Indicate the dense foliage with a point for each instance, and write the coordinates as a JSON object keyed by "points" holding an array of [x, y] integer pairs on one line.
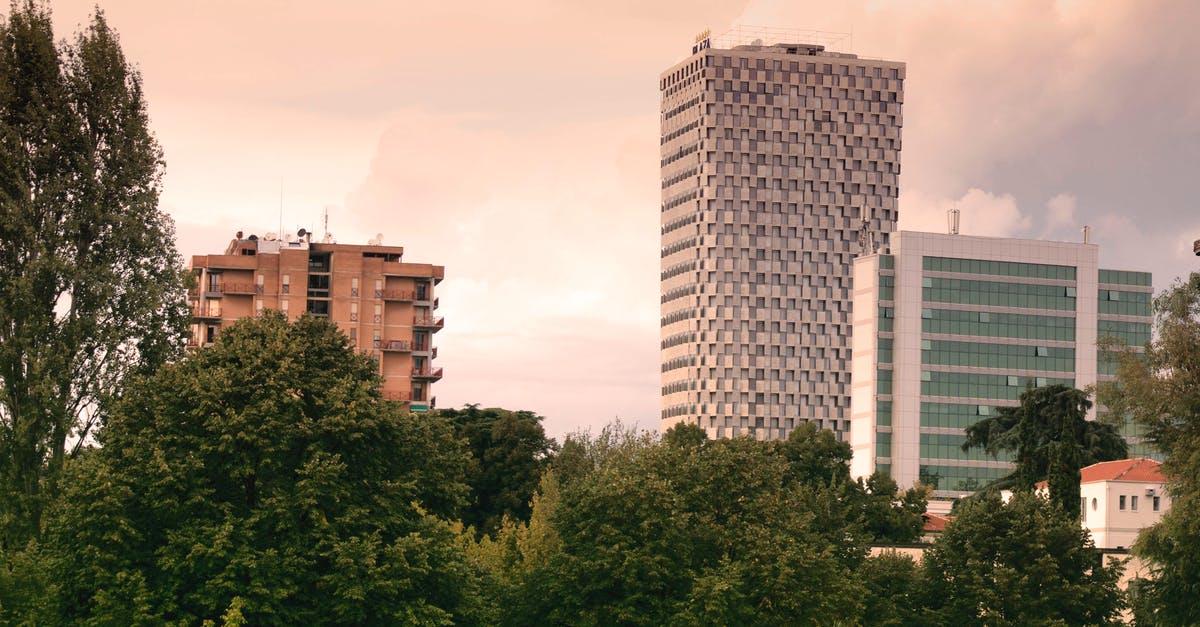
{"points": [[91, 288], [509, 453], [1052, 439], [265, 477], [1024, 563], [1160, 389]]}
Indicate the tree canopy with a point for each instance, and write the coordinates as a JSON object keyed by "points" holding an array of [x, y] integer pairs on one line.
{"points": [[1160, 390], [1051, 438], [91, 288], [263, 476], [509, 452], [1024, 563]]}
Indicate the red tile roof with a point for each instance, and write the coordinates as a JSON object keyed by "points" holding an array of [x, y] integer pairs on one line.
{"points": [[935, 523], [1140, 469]]}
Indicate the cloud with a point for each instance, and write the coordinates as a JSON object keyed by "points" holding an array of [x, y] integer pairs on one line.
{"points": [[1060, 211]]}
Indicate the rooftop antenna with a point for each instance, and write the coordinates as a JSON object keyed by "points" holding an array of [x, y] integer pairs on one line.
{"points": [[1087, 234], [952, 220], [280, 207], [326, 238]]}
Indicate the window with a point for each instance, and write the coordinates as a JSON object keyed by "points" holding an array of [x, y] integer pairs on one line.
{"points": [[378, 313], [1043, 351], [287, 285], [283, 305], [375, 340], [1154, 503], [1070, 292], [258, 307], [1095, 505], [354, 286], [1133, 503], [1083, 507], [1121, 503], [353, 312]]}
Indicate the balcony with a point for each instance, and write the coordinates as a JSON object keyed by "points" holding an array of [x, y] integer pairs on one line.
{"points": [[240, 288], [396, 295], [431, 374], [206, 313], [400, 397], [429, 323], [397, 346]]}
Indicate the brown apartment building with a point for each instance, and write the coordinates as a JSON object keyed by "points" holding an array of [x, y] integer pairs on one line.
{"points": [[386, 306]]}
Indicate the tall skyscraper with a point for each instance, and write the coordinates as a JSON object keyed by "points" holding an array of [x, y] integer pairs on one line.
{"points": [[777, 159], [385, 305], [948, 328]]}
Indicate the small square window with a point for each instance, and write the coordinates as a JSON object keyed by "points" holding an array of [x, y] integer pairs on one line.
{"points": [[1013, 381], [985, 410], [926, 375], [927, 314], [1042, 351], [1070, 292], [926, 345], [985, 316], [1041, 382], [926, 282], [1114, 295]]}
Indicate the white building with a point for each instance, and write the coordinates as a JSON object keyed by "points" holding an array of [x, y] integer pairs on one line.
{"points": [[773, 157], [947, 328], [1120, 498]]}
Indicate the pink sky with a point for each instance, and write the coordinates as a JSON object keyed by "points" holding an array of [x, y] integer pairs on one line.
{"points": [[517, 144]]}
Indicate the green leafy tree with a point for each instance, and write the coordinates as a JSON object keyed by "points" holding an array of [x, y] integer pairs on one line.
{"points": [[510, 451], [263, 480], [891, 581], [686, 531], [91, 288], [1051, 438], [1024, 563], [1160, 390]]}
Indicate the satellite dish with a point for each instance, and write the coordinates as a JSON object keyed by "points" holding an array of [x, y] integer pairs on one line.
{"points": [[301, 233]]}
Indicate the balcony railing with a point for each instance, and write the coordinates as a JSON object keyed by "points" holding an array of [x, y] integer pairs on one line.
{"points": [[402, 397], [240, 288], [206, 312], [427, 373], [432, 323], [398, 346], [402, 295]]}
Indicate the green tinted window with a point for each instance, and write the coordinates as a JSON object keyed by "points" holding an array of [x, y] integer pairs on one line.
{"points": [[1000, 268], [1007, 356], [886, 318], [944, 446], [965, 478], [953, 415], [884, 384], [883, 413], [1132, 333], [997, 294], [991, 386], [883, 444], [885, 350], [1124, 303], [1125, 277], [994, 324], [887, 262]]}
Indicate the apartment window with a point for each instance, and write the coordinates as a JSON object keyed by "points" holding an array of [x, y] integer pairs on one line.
{"points": [[214, 282], [378, 288], [286, 286], [376, 338], [258, 307], [353, 312], [353, 336], [1154, 503], [378, 313], [354, 286], [1133, 503], [258, 283], [1121, 503], [283, 305]]}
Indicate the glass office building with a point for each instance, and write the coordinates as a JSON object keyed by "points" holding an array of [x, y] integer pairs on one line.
{"points": [[948, 328]]}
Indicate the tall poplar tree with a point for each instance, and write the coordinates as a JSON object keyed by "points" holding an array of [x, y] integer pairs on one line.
{"points": [[91, 287]]}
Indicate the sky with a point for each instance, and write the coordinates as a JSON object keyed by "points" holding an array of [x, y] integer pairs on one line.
{"points": [[516, 143]]}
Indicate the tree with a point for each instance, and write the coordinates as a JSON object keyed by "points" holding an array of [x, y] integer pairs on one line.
{"points": [[263, 478], [91, 288], [1051, 438], [1024, 563], [509, 452], [1160, 390]]}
